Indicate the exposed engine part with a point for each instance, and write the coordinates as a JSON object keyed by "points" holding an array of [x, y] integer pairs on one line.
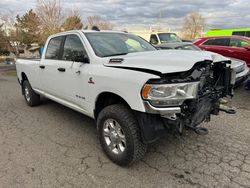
{"points": [[227, 109], [226, 106], [180, 127], [170, 116], [223, 101], [215, 84], [200, 130]]}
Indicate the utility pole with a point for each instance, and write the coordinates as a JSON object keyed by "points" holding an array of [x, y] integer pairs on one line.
{"points": [[59, 4], [158, 24]]}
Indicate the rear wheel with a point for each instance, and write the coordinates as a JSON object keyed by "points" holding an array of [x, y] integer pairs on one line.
{"points": [[31, 98], [119, 135]]}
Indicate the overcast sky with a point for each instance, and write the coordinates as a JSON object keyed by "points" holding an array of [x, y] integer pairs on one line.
{"points": [[145, 13]]}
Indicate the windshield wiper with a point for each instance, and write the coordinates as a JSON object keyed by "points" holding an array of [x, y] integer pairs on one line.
{"points": [[115, 54]]}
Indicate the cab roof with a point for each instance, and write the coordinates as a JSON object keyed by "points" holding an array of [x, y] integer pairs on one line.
{"points": [[85, 31]]}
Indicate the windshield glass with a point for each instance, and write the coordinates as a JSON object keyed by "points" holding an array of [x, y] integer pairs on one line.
{"points": [[112, 44], [169, 37]]}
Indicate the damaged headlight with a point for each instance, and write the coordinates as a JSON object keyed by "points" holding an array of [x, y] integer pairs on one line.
{"points": [[169, 94]]}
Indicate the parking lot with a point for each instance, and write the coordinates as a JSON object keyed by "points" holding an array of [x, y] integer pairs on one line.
{"points": [[54, 146]]}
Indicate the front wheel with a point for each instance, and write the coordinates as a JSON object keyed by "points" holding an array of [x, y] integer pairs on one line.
{"points": [[31, 98], [119, 135]]}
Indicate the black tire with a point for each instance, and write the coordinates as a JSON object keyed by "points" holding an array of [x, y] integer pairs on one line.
{"points": [[32, 99], [135, 149]]}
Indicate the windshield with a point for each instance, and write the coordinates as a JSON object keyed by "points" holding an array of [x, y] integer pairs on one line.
{"points": [[169, 37], [112, 44]]}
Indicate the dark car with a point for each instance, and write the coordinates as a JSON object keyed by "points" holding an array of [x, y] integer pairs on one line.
{"points": [[230, 46], [178, 46]]}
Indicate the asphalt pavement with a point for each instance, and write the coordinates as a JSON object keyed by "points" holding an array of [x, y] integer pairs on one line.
{"points": [[53, 146]]}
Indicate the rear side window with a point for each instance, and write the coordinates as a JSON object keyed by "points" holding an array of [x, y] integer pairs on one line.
{"points": [[53, 48], [73, 48], [235, 42], [218, 42]]}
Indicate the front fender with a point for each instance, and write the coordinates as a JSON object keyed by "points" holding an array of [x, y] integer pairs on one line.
{"points": [[125, 83]]}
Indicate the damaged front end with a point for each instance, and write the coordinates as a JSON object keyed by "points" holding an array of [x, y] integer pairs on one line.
{"points": [[185, 100]]}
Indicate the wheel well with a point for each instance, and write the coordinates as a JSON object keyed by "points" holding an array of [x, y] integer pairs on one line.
{"points": [[24, 77], [106, 99]]}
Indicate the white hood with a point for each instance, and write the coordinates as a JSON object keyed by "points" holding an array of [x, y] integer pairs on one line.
{"points": [[163, 61]]}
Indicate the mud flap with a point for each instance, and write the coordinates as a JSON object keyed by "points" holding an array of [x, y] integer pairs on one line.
{"points": [[151, 126]]}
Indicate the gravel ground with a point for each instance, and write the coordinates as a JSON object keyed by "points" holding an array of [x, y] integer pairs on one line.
{"points": [[53, 146]]}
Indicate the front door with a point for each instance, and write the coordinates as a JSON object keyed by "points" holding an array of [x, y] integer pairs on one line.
{"points": [[73, 74], [238, 51]]}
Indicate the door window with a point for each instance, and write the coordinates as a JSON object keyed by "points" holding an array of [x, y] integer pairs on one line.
{"points": [[218, 42], [234, 42], [73, 49], [53, 48], [154, 39]]}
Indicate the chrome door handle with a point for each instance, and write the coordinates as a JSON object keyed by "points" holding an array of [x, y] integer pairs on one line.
{"points": [[42, 67]]}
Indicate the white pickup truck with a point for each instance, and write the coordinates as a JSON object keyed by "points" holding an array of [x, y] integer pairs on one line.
{"points": [[133, 91]]}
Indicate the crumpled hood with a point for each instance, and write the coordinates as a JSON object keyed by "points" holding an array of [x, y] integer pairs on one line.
{"points": [[162, 61]]}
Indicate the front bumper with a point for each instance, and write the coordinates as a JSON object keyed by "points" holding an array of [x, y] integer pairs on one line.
{"points": [[155, 120], [242, 76]]}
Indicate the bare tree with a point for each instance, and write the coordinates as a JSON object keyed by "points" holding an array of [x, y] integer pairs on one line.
{"points": [[8, 20], [2, 40], [193, 26], [99, 22], [7, 28], [50, 16]]}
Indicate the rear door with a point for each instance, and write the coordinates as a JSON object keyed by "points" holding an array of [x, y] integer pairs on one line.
{"points": [[48, 72]]}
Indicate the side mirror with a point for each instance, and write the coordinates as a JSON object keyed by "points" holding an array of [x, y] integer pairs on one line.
{"points": [[247, 47], [85, 60]]}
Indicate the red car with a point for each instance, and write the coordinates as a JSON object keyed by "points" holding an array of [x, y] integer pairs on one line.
{"points": [[230, 46]]}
